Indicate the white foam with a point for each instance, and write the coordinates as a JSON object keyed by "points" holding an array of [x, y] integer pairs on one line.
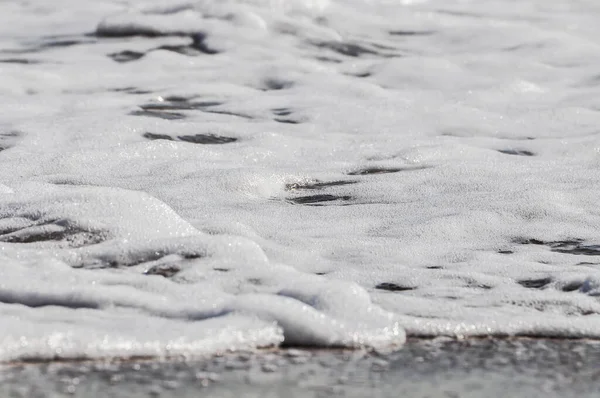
{"points": [[376, 167]]}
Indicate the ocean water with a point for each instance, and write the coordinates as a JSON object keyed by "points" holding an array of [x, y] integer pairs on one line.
{"points": [[189, 177]]}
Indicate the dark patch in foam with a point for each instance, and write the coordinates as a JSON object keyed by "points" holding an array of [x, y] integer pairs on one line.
{"points": [[535, 283], [393, 287], [362, 74], [382, 170], [477, 133], [54, 42], [230, 113], [152, 136], [61, 230], [126, 56], [354, 49], [435, 267], [479, 286], [273, 84], [37, 300], [528, 46], [411, 32], [328, 59], [287, 121], [317, 185], [572, 286], [382, 46], [68, 181], [518, 152], [126, 31], [166, 270], [179, 103], [199, 43], [146, 257], [182, 49], [524, 241], [348, 49], [50, 42], [197, 47], [175, 102], [221, 269], [129, 55], [191, 255], [159, 114], [131, 90], [20, 61], [8, 139], [282, 111], [318, 200], [206, 139], [576, 248], [178, 98], [571, 246]]}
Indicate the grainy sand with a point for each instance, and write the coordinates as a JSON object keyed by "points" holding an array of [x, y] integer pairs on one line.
{"points": [[422, 368]]}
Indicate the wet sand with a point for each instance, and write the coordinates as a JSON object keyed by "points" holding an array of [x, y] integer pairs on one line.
{"points": [[422, 368]]}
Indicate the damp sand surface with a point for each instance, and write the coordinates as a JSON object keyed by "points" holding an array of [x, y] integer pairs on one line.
{"points": [[422, 368]]}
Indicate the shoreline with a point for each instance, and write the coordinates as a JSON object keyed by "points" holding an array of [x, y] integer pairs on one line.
{"points": [[439, 367], [282, 349]]}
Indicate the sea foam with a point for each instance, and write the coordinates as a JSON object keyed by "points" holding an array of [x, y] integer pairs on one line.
{"points": [[185, 178]]}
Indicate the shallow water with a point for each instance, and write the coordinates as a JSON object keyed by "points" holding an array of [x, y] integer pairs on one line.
{"points": [[184, 178]]}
